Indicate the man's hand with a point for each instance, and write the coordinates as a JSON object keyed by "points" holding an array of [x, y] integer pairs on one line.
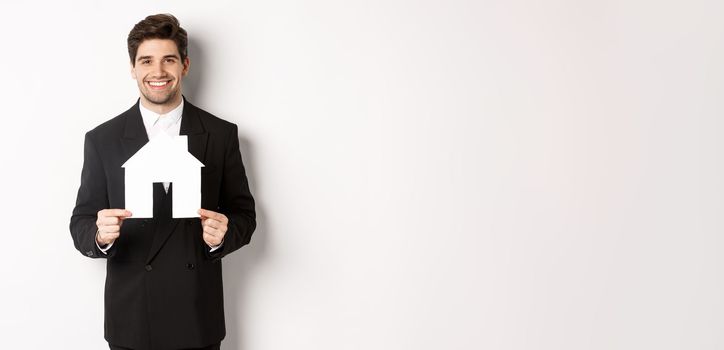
{"points": [[214, 225], [109, 225]]}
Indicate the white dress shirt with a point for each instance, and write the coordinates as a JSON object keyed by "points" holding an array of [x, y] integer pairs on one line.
{"points": [[155, 123]]}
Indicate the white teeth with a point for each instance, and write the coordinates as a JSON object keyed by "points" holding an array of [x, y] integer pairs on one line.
{"points": [[157, 83]]}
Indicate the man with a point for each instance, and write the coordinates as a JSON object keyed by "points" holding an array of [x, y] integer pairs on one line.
{"points": [[163, 276]]}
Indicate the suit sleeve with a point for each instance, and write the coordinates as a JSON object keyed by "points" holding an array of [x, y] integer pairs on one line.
{"points": [[236, 201], [92, 197]]}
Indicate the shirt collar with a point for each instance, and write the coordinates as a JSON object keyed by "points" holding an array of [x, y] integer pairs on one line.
{"points": [[150, 117]]}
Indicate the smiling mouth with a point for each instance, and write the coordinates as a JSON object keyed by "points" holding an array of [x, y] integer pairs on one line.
{"points": [[157, 85]]}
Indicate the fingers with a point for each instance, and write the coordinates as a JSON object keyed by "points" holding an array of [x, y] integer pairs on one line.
{"points": [[109, 224], [108, 234], [213, 229], [213, 215], [212, 240], [121, 213], [107, 238], [214, 224], [108, 220], [109, 229]]}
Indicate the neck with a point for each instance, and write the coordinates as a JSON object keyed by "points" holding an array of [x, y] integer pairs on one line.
{"points": [[161, 108]]}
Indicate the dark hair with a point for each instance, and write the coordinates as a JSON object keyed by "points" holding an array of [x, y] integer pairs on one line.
{"points": [[161, 26]]}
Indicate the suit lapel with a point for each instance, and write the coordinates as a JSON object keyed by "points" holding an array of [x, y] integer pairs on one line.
{"points": [[192, 127], [164, 229], [197, 137], [134, 133]]}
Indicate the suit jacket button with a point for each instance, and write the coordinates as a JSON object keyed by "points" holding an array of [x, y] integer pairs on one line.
{"points": [[190, 266], [89, 253], [149, 268]]}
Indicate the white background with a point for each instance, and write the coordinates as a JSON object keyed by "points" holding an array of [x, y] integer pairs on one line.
{"points": [[429, 174]]}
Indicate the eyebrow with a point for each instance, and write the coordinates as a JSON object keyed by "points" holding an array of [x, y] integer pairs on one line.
{"points": [[150, 57]]}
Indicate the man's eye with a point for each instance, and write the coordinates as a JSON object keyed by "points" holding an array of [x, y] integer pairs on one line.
{"points": [[146, 61], [170, 60]]}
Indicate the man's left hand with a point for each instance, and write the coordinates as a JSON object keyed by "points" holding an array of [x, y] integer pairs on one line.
{"points": [[214, 225]]}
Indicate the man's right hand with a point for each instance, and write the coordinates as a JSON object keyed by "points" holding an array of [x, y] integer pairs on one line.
{"points": [[109, 225]]}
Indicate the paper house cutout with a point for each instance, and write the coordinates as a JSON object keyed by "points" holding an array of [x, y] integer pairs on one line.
{"points": [[163, 159]]}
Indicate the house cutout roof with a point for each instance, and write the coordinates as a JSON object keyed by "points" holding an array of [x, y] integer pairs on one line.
{"points": [[163, 151]]}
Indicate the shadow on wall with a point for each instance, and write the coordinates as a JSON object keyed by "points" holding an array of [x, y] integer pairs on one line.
{"points": [[193, 83], [237, 266]]}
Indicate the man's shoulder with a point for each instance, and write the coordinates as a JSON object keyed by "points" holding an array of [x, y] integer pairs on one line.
{"points": [[211, 122], [112, 127]]}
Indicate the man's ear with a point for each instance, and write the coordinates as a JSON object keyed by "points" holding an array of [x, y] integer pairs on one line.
{"points": [[133, 71], [187, 64]]}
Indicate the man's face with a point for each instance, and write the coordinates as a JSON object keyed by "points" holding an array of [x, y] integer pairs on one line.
{"points": [[158, 71]]}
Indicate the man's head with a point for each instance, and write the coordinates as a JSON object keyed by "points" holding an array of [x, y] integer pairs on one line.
{"points": [[158, 48]]}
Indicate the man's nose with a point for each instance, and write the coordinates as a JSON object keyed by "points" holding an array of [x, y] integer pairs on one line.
{"points": [[157, 70]]}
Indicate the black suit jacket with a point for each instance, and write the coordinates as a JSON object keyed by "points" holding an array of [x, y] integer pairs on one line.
{"points": [[163, 287]]}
